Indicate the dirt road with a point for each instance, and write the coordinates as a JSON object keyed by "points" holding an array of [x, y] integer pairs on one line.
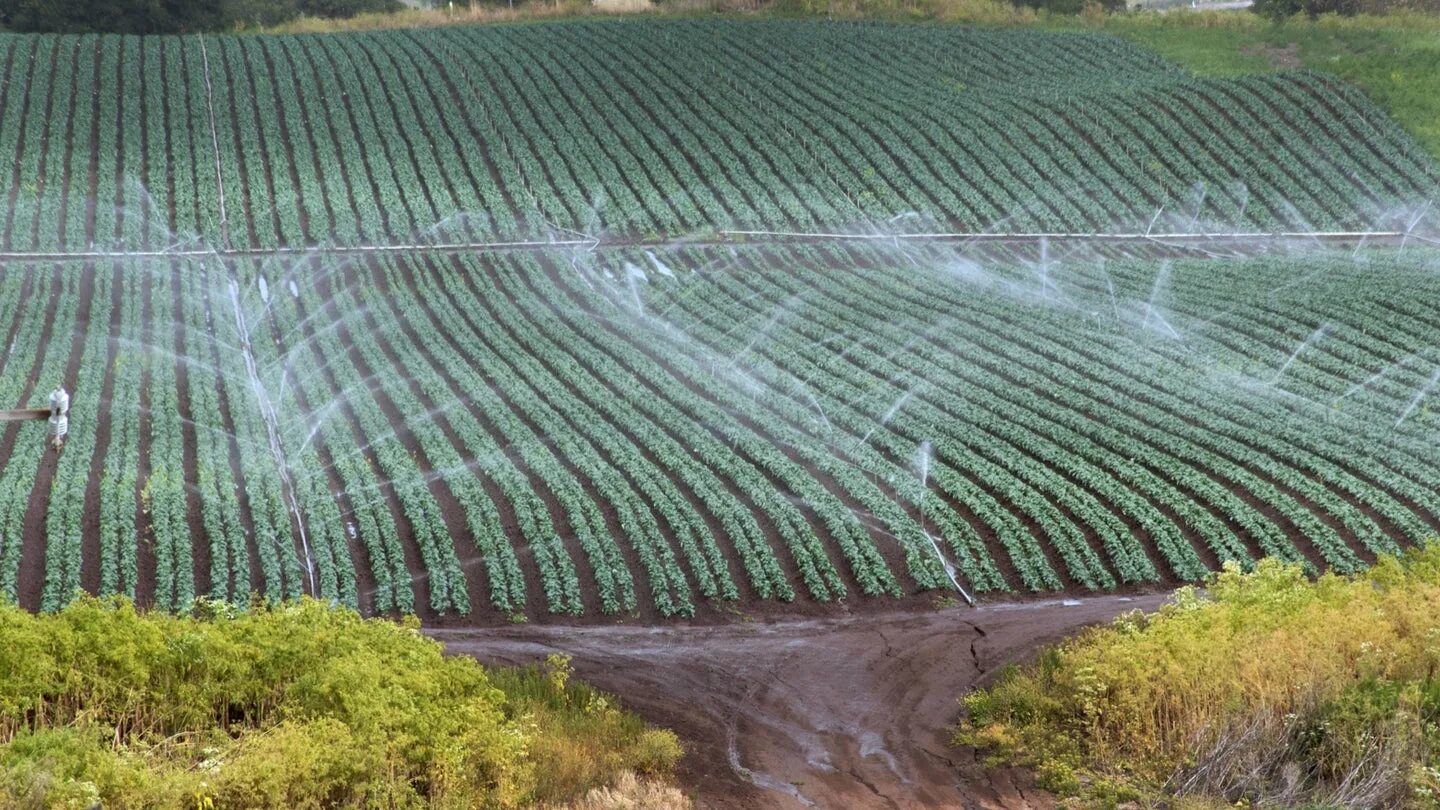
{"points": [[844, 712]]}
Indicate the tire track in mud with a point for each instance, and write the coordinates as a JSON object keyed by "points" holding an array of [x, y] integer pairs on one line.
{"points": [[854, 711]]}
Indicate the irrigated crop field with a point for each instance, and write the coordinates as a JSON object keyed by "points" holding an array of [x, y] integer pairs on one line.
{"points": [[618, 431], [257, 264], [663, 128]]}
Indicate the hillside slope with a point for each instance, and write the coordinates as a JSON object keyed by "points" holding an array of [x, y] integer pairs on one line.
{"points": [[655, 433], [664, 128]]}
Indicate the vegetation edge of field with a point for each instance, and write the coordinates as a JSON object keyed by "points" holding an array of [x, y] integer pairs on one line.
{"points": [[300, 705], [1264, 688]]}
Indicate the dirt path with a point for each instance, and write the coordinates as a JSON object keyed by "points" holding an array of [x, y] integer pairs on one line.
{"points": [[834, 713]]}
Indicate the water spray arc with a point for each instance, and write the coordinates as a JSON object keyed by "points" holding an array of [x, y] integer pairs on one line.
{"points": [[923, 458], [272, 430]]}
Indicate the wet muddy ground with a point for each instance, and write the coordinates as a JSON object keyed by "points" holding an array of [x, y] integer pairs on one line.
{"points": [[841, 712]]}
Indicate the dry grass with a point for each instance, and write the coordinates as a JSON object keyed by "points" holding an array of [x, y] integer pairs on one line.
{"points": [[1270, 689], [633, 793], [982, 12], [464, 14], [581, 737], [1138, 25]]}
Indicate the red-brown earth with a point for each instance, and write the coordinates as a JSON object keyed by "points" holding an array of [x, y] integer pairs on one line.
{"points": [[844, 711]]}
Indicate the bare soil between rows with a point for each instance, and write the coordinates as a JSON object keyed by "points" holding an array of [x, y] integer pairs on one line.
{"points": [[835, 712]]}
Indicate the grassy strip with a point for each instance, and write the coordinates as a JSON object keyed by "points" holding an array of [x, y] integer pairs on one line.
{"points": [[1395, 60], [294, 706], [1265, 688]]}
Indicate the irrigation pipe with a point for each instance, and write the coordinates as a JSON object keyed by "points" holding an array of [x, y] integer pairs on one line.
{"points": [[1071, 236], [215, 142], [242, 253], [721, 238], [268, 415]]}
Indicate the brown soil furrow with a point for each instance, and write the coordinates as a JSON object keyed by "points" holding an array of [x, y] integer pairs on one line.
{"points": [[283, 148], [170, 128], [90, 518], [123, 95], [644, 605], [832, 712], [559, 518], [451, 510], [67, 170], [145, 584], [20, 144], [419, 578], [33, 545], [92, 181], [361, 156]]}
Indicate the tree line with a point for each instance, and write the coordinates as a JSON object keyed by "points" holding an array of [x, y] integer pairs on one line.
{"points": [[171, 16]]}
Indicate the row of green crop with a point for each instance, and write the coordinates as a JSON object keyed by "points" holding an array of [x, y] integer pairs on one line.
{"points": [[65, 506], [49, 352], [610, 373], [663, 128], [756, 465], [120, 472], [642, 430], [704, 414], [25, 326], [617, 137], [1329, 481], [1301, 453], [162, 495], [1332, 370], [327, 456], [588, 445]]}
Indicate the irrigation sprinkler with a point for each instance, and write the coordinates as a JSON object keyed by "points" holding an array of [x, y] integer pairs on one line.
{"points": [[57, 414]]}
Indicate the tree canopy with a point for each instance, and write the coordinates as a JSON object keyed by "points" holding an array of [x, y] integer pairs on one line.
{"points": [[170, 16]]}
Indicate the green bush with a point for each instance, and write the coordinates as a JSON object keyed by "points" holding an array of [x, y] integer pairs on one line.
{"points": [[293, 706], [1265, 687], [1071, 6], [341, 9], [118, 16], [1282, 10]]}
